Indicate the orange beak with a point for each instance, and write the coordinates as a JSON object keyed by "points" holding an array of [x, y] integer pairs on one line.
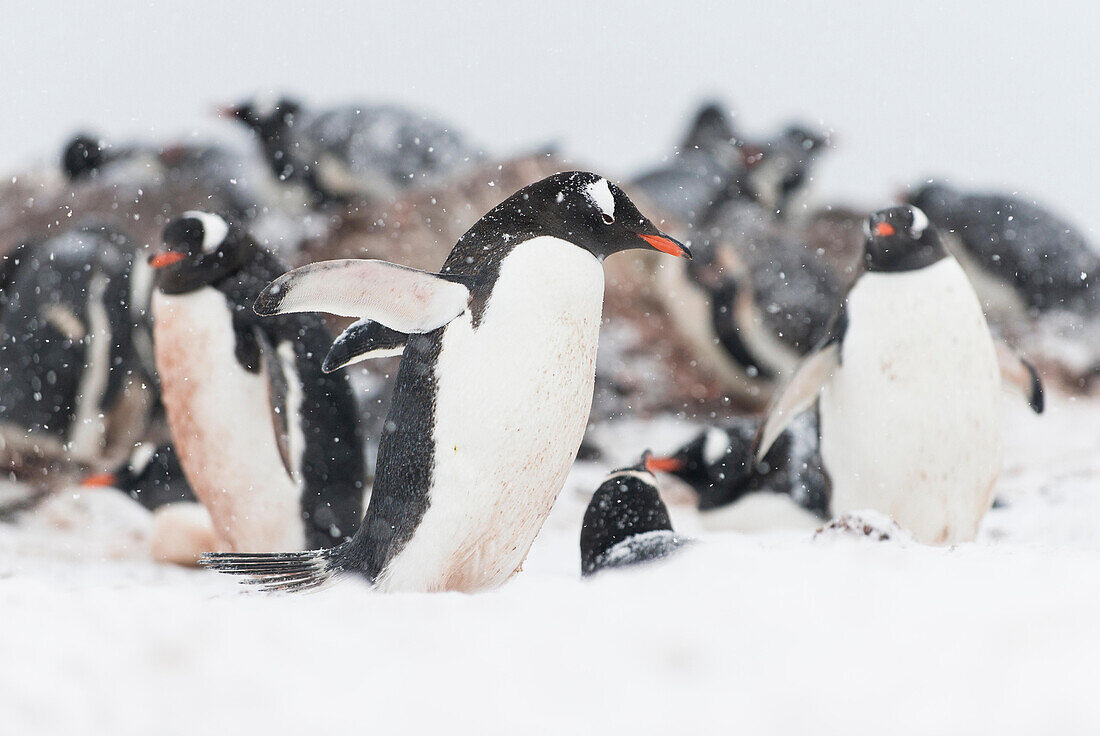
{"points": [[666, 244], [663, 464], [167, 258], [99, 480], [884, 229]]}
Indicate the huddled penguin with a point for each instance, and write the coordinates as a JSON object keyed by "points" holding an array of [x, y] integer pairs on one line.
{"points": [[268, 442], [1019, 255], [353, 152], [705, 165], [626, 522], [493, 392], [72, 384], [789, 488], [907, 386], [152, 476]]}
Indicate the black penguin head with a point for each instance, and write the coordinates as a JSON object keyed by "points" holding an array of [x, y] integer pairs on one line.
{"points": [[712, 131], [625, 505], [200, 249], [152, 476], [778, 168], [592, 213], [265, 117], [715, 463], [131, 474], [901, 239], [83, 157]]}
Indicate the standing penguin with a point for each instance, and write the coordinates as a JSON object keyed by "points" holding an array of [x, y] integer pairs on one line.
{"points": [[269, 443], [626, 522], [493, 392], [70, 375], [907, 384]]}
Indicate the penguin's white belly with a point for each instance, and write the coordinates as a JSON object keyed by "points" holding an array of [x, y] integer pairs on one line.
{"points": [[910, 421], [220, 415], [512, 404]]}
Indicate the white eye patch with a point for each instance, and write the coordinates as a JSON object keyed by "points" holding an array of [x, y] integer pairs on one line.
{"points": [[214, 229], [599, 192], [920, 222]]}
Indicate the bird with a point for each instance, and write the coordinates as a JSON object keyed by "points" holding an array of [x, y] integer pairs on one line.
{"points": [[907, 387], [72, 383], [354, 151], [493, 391], [779, 169], [789, 487], [703, 168], [152, 476], [626, 522], [269, 443], [1021, 255], [754, 300]]}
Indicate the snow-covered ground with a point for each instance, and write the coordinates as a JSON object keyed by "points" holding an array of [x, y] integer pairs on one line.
{"points": [[775, 633]]}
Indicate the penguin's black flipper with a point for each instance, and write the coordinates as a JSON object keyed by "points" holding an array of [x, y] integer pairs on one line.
{"points": [[401, 298], [1021, 375], [363, 340], [280, 371]]}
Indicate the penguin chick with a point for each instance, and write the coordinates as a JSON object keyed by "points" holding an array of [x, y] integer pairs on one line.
{"points": [[626, 522]]}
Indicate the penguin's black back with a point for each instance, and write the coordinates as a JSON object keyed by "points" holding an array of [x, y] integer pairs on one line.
{"points": [[624, 508], [332, 460], [1046, 258]]}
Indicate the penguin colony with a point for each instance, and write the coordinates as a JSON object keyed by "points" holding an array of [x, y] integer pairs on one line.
{"points": [[183, 361]]}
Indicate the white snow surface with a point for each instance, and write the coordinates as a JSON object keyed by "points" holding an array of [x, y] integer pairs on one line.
{"points": [[770, 633]]}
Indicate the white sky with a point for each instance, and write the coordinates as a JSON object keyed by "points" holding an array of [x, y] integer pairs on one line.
{"points": [[999, 93]]}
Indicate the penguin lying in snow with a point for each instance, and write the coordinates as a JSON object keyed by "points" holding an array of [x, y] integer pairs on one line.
{"points": [[71, 380], [626, 522], [788, 488], [492, 395], [269, 443], [907, 387], [353, 151], [152, 476], [1018, 254]]}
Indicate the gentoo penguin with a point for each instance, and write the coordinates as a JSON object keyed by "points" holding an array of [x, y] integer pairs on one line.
{"points": [[754, 300], [788, 488], [152, 476], [352, 151], [778, 171], [626, 522], [71, 382], [269, 443], [493, 392], [702, 169], [1019, 255], [907, 386], [234, 183]]}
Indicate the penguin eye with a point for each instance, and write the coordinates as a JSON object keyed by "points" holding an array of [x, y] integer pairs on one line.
{"points": [[608, 219]]}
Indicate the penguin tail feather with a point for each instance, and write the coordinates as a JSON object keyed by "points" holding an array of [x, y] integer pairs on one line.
{"points": [[284, 572]]}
